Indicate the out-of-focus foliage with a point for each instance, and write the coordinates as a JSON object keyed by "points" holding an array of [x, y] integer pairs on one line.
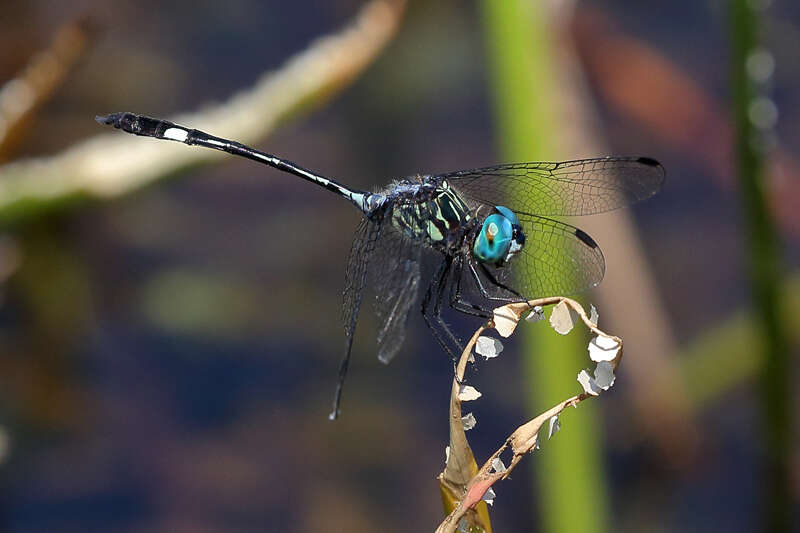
{"points": [[167, 357]]}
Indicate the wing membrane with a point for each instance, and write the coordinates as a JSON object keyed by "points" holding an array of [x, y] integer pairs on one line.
{"points": [[355, 279], [557, 259], [580, 187], [396, 274]]}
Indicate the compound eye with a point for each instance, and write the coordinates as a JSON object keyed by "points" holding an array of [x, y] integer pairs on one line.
{"points": [[508, 213], [493, 240]]}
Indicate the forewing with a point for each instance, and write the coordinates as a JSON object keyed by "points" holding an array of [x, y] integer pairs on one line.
{"points": [[581, 187], [396, 271], [556, 260]]}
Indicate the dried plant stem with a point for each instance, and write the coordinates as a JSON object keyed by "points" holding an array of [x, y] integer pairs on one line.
{"points": [[44, 73], [525, 438], [111, 165]]}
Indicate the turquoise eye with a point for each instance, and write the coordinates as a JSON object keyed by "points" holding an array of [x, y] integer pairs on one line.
{"points": [[494, 239], [508, 213]]}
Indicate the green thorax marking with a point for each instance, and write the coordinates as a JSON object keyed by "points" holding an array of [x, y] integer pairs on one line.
{"points": [[432, 220]]}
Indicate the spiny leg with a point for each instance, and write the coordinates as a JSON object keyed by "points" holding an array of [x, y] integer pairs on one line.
{"points": [[460, 304], [432, 316], [437, 308], [426, 300], [494, 281]]}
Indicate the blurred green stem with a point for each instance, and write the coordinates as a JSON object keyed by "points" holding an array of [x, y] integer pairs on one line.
{"points": [[569, 470], [776, 399], [730, 354]]}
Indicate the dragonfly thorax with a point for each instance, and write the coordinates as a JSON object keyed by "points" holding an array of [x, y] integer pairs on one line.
{"points": [[430, 211], [500, 237]]}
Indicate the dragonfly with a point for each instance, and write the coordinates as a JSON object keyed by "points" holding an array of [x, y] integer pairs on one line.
{"points": [[492, 232]]}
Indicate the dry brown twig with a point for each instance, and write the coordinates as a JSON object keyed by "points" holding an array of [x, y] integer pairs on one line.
{"points": [[464, 487], [41, 77], [110, 165]]}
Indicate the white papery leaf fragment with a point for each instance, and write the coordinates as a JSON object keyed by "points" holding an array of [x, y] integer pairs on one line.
{"points": [[498, 465], [505, 321], [555, 425], [563, 318], [468, 393], [468, 421], [489, 496], [488, 347], [593, 315], [604, 375], [536, 314], [603, 379], [602, 348], [588, 383]]}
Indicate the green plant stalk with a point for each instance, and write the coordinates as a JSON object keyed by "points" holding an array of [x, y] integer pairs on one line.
{"points": [[729, 355], [569, 469], [776, 398]]}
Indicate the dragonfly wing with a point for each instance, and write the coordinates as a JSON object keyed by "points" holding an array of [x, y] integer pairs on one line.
{"points": [[396, 271], [557, 259], [580, 187], [355, 279]]}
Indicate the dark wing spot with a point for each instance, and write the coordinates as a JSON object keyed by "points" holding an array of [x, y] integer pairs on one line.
{"points": [[585, 239], [649, 161]]}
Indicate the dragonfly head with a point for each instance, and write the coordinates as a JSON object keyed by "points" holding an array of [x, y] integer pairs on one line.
{"points": [[500, 237]]}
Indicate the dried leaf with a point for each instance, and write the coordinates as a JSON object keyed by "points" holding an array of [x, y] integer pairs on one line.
{"points": [[469, 421], [603, 379], [536, 314], [467, 393], [563, 318], [489, 496], [498, 465], [505, 321], [604, 375], [555, 425], [588, 383], [602, 348], [593, 315], [488, 347]]}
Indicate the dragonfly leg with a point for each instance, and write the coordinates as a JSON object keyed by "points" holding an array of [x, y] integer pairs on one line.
{"points": [[460, 304], [432, 315], [494, 281], [437, 309]]}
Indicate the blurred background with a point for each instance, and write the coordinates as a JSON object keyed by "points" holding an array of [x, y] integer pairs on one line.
{"points": [[170, 331]]}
